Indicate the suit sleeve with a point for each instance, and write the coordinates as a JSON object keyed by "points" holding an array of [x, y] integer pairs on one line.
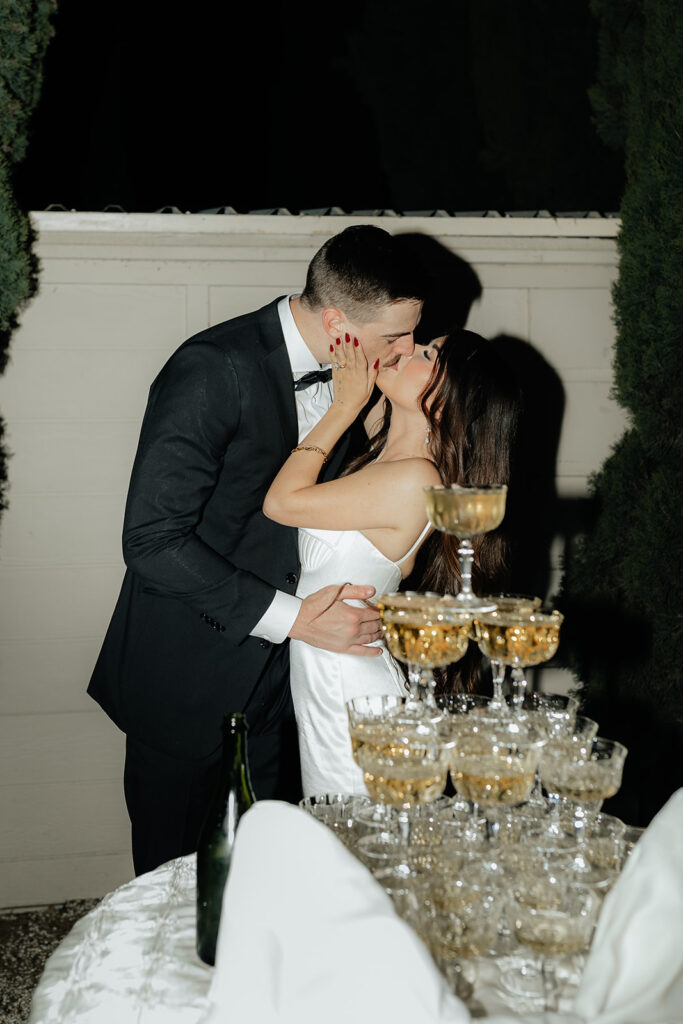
{"points": [[191, 418]]}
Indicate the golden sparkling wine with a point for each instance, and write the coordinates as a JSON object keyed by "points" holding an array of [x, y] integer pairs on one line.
{"points": [[412, 640], [373, 735], [491, 780], [528, 643], [552, 934], [405, 785], [454, 939], [594, 781], [465, 511], [604, 852]]}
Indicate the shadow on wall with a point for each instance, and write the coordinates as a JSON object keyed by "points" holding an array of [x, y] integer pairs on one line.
{"points": [[451, 285], [533, 515]]}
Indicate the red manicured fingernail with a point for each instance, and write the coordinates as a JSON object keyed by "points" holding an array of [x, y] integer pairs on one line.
{"points": [[348, 336], [355, 342], [331, 348], [376, 365], [339, 341]]}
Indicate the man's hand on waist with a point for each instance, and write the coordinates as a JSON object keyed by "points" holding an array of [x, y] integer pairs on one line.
{"points": [[326, 621]]}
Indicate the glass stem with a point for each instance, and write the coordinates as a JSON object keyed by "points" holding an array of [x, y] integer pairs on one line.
{"points": [[519, 684], [428, 688], [413, 702], [549, 983], [466, 556], [498, 673], [403, 820]]}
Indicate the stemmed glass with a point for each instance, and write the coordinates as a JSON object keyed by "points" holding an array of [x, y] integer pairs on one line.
{"points": [[467, 512], [505, 603], [407, 772], [519, 639], [554, 918], [368, 718], [424, 631], [494, 764], [585, 775]]}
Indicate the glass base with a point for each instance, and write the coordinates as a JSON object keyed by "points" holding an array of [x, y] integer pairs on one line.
{"points": [[523, 978], [375, 815], [469, 602]]}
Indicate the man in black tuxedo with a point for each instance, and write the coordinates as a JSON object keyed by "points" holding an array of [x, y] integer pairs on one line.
{"points": [[208, 599]]}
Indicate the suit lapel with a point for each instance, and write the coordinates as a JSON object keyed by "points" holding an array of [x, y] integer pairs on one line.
{"points": [[278, 374]]}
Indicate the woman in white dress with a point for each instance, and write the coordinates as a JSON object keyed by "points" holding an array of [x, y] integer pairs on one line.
{"points": [[448, 412]]}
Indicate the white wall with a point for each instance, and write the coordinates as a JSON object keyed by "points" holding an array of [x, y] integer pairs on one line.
{"points": [[117, 294]]}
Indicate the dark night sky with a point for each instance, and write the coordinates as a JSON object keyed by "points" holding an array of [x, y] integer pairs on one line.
{"points": [[460, 104]]}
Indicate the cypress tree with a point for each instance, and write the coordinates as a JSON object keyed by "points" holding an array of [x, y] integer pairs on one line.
{"points": [[622, 588], [25, 31]]}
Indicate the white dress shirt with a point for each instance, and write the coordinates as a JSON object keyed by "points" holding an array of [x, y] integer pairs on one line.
{"points": [[311, 404]]}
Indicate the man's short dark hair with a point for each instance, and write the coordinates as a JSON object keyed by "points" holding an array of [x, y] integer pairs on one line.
{"points": [[359, 270]]}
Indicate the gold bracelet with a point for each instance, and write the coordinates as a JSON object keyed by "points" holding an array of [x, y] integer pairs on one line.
{"points": [[310, 448]]}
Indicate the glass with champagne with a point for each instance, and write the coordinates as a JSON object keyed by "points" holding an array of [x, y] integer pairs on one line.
{"points": [[369, 724], [584, 776], [467, 512], [519, 639], [557, 922], [424, 631], [408, 770], [505, 603]]}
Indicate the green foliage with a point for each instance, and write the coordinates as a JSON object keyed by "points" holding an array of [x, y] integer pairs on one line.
{"points": [[622, 590], [25, 31]]}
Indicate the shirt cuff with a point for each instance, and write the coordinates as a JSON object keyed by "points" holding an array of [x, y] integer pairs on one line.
{"points": [[277, 621]]}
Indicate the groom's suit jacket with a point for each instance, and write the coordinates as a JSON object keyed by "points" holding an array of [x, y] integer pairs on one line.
{"points": [[203, 561]]}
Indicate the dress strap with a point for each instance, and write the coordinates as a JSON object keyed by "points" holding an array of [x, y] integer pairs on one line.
{"points": [[416, 544]]}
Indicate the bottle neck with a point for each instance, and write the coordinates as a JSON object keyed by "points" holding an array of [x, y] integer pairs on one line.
{"points": [[234, 746], [235, 762]]}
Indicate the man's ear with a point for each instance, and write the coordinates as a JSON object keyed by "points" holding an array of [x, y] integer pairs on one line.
{"points": [[334, 322]]}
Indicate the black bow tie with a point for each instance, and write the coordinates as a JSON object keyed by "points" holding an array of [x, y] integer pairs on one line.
{"points": [[309, 379]]}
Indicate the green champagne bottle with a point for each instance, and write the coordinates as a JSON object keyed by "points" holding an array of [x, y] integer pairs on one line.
{"points": [[234, 795]]}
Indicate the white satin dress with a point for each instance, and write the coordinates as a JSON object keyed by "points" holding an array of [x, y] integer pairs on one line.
{"points": [[321, 681]]}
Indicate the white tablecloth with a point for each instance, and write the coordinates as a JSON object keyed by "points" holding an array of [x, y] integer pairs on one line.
{"points": [[306, 921], [132, 959]]}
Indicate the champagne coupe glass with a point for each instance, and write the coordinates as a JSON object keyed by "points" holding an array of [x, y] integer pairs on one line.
{"points": [[551, 713], [505, 603], [584, 776], [368, 724], [424, 631], [408, 771], [464, 906], [519, 639], [495, 764], [560, 748], [554, 716], [554, 920], [467, 512], [336, 810]]}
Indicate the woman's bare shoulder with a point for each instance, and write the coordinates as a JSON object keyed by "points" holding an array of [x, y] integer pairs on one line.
{"points": [[411, 472], [423, 470]]}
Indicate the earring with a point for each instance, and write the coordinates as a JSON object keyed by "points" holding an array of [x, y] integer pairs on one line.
{"points": [[428, 436]]}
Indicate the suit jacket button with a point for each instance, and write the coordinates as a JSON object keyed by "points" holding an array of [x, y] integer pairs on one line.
{"points": [[290, 577], [264, 643]]}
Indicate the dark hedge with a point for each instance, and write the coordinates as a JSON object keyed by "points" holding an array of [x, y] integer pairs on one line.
{"points": [[622, 589], [25, 31]]}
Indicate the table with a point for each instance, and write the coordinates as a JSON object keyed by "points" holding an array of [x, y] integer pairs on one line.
{"points": [[132, 960]]}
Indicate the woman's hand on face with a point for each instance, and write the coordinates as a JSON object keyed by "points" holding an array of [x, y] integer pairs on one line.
{"points": [[352, 378]]}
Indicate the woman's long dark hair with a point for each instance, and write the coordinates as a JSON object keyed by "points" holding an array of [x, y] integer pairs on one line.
{"points": [[475, 403]]}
